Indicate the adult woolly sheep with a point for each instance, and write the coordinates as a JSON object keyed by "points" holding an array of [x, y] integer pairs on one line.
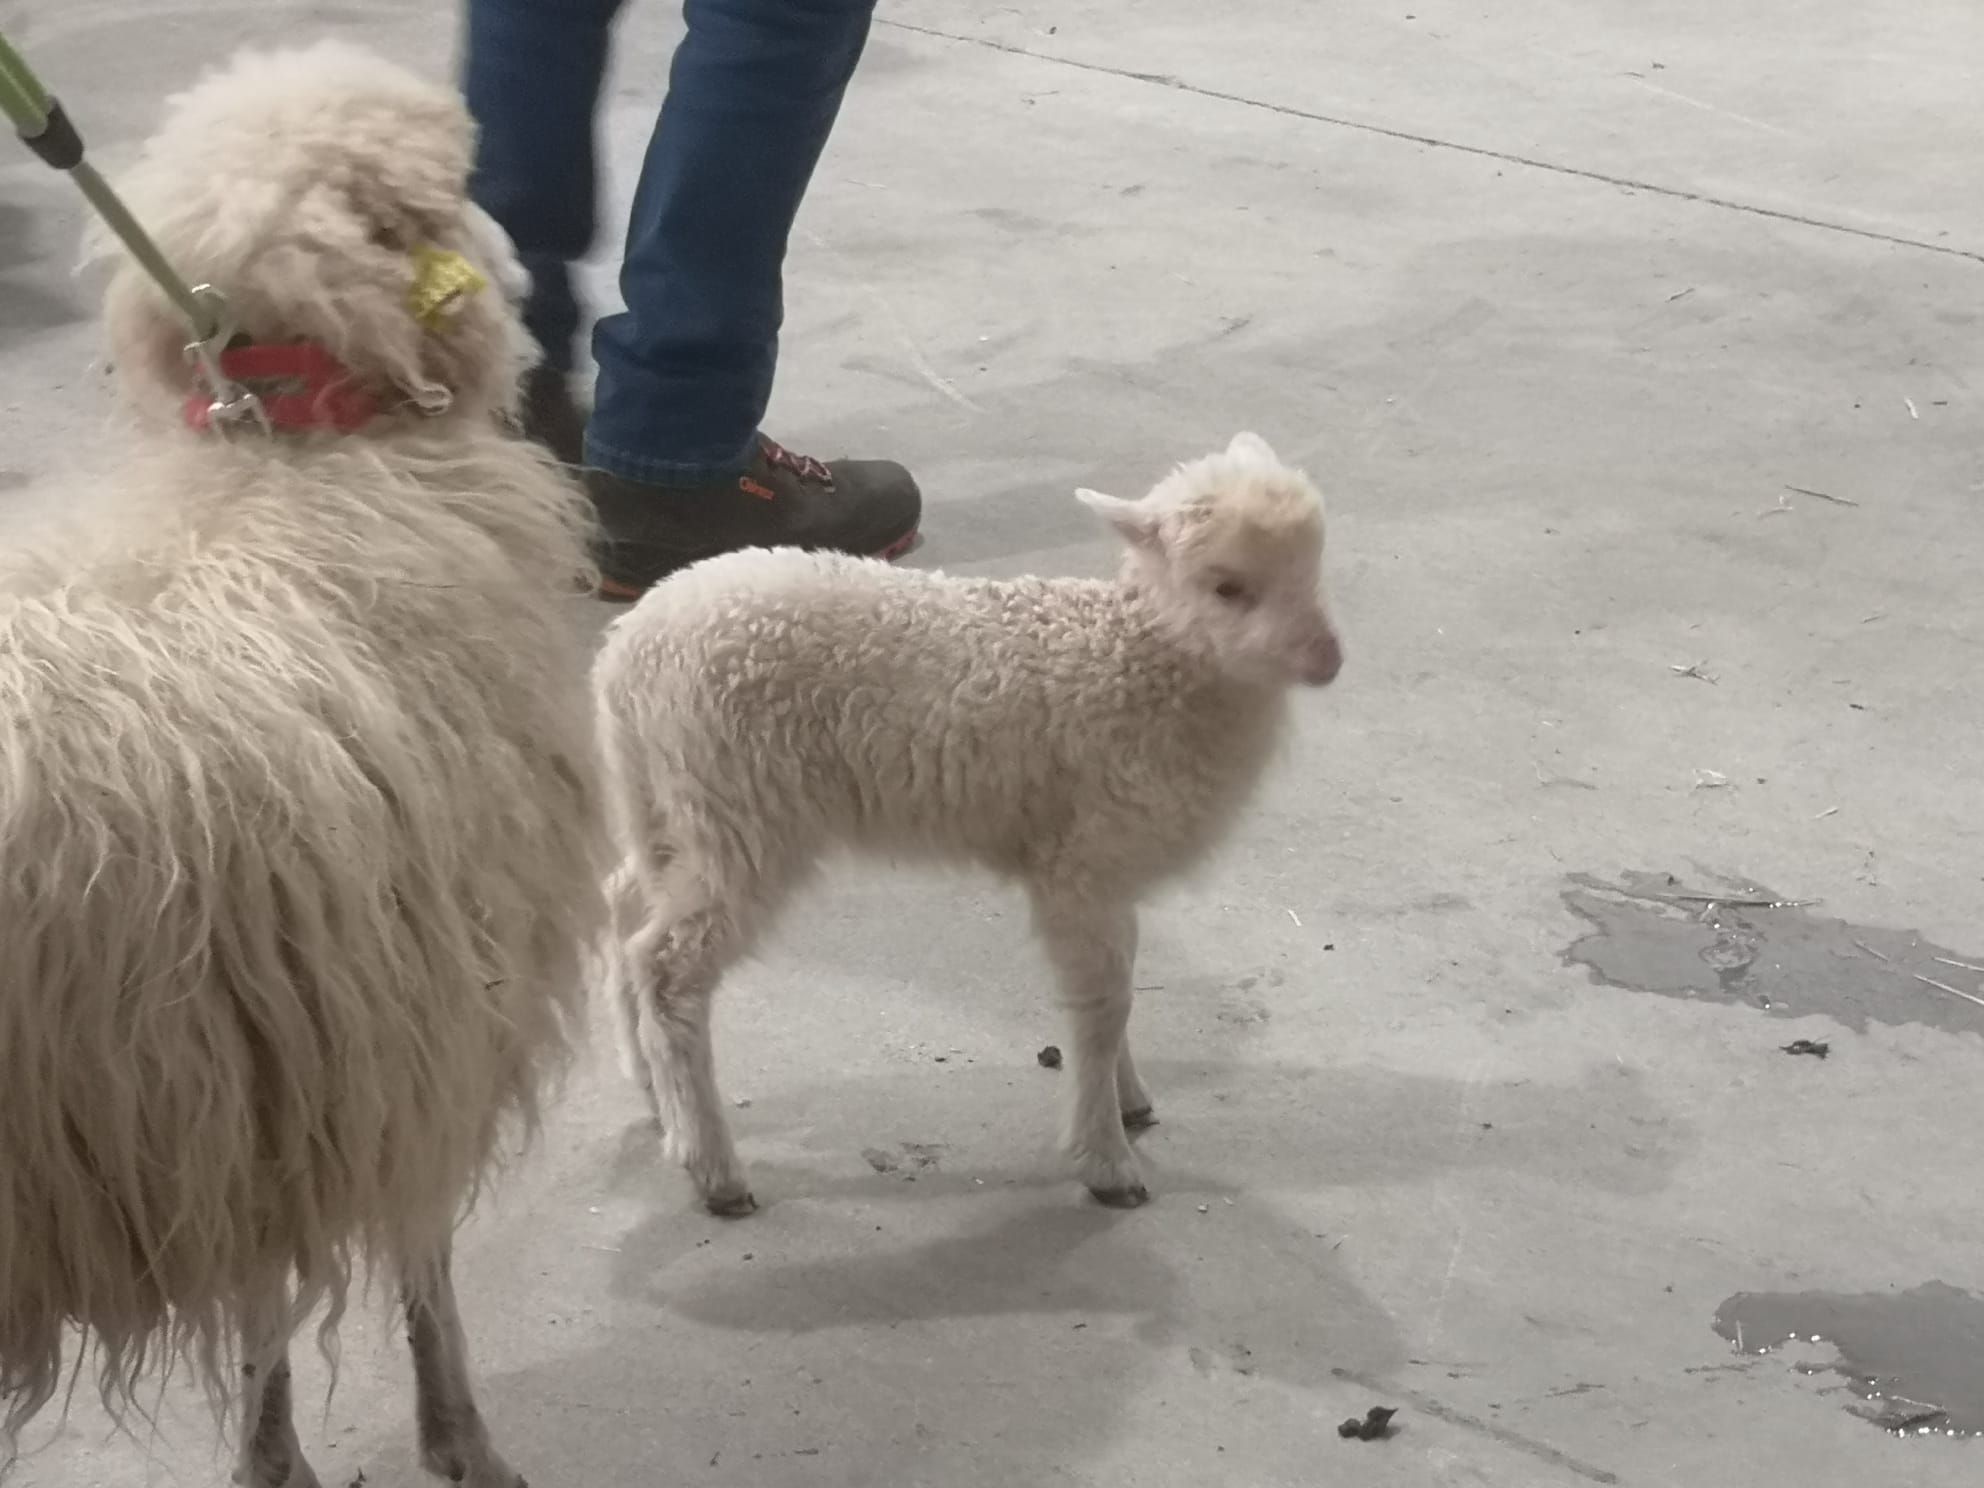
{"points": [[298, 834], [1089, 738]]}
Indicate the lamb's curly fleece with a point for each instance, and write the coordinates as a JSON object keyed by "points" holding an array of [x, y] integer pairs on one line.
{"points": [[297, 838], [975, 718]]}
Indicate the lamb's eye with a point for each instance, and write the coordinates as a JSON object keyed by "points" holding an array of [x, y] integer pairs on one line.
{"points": [[389, 238], [1233, 591]]}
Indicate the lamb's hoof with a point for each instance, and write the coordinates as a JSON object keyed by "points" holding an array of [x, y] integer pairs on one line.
{"points": [[731, 1206], [1133, 1197], [1140, 1119]]}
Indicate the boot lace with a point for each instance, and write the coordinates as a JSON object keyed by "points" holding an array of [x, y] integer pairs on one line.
{"points": [[808, 469]]}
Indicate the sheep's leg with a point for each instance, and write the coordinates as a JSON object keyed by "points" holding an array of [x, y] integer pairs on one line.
{"points": [[684, 963], [454, 1444], [271, 1456], [1092, 948], [1131, 1097]]}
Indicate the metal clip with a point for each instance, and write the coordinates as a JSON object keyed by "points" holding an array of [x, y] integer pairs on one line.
{"points": [[232, 404]]}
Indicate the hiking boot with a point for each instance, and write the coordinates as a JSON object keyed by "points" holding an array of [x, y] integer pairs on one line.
{"points": [[869, 508], [551, 416]]}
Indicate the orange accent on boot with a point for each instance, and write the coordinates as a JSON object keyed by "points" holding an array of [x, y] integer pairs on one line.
{"points": [[753, 488]]}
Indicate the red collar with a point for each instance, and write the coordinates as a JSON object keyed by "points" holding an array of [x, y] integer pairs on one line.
{"points": [[301, 387]]}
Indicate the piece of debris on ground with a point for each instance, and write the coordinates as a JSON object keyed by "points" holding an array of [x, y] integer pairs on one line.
{"points": [[1050, 1057], [1376, 1425], [916, 1157], [1815, 1047], [1823, 495]]}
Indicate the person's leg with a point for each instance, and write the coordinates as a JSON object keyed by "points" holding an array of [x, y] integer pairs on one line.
{"points": [[532, 74], [678, 468], [685, 373]]}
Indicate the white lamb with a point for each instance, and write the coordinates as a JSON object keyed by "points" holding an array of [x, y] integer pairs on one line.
{"points": [[298, 834], [1088, 738]]}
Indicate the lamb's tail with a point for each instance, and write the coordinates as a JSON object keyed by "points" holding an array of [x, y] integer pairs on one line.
{"points": [[613, 962], [610, 968]]}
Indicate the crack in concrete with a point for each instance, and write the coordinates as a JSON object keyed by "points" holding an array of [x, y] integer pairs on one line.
{"points": [[1508, 157]]}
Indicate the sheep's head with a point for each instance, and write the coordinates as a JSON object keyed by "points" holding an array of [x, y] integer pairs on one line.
{"points": [[1229, 549], [323, 192]]}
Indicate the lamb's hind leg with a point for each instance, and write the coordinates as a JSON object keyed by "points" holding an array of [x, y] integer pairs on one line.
{"points": [[454, 1443], [270, 1455], [681, 963], [1093, 947]]}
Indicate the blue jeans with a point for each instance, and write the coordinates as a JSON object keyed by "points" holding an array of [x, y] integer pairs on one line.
{"points": [[685, 372]]}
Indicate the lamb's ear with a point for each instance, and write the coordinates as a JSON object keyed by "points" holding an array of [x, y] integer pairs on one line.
{"points": [[1252, 447], [1135, 520]]}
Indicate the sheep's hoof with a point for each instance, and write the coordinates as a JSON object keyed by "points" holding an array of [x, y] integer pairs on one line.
{"points": [[482, 1469], [1135, 1196], [1139, 1119], [731, 1206], [297, 1474]]}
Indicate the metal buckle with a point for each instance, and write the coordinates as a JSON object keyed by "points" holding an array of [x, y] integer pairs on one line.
{"points": [[232, 404]]}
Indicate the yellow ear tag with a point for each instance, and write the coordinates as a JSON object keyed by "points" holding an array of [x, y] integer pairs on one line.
{"points": [[441, 281]]}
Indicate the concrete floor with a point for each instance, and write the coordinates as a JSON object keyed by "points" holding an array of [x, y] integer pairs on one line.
{"points": [[1557, 307]]}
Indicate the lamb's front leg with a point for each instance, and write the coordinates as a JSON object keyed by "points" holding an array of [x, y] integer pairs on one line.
{"points": [[1093, 947]]}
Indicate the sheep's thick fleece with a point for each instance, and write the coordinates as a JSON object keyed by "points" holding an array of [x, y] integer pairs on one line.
{"points": [[296, 788]]}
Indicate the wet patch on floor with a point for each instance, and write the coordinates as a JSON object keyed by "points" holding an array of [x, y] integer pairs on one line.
{"points": [[1914, 1360], [1736, 942]]}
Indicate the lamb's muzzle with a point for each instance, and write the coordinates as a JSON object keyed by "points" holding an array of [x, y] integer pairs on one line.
{"points": [[1324, 660]]}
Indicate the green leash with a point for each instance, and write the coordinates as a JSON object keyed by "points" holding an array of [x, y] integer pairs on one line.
{"points": [[44, 128], [22, 98]]}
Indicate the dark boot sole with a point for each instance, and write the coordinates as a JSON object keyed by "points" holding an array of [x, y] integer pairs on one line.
{"points": [[614, 591]]}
